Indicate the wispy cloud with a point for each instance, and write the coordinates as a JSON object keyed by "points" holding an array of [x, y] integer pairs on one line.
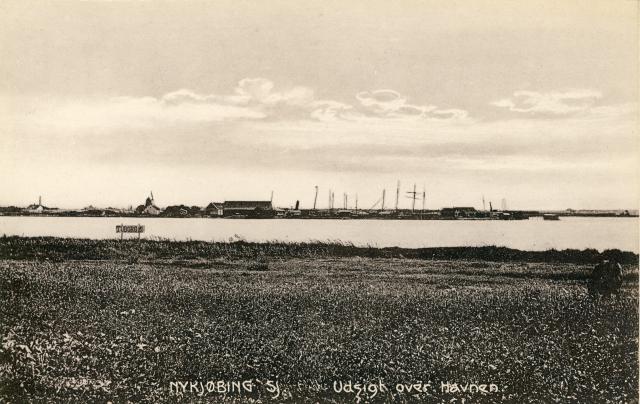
{"points": [[550, 103], [263, 129], [253, 99], [391, 104], [259, 95]]}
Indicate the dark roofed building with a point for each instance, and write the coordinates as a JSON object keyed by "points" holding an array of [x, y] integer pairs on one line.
{"points": [[255, 209], [214, 209]]}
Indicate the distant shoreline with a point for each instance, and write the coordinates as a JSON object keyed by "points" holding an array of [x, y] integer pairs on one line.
{"points": [[416, 216]]}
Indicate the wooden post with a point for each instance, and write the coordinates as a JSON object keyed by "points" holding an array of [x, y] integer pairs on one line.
{"points": [[121, 231]]}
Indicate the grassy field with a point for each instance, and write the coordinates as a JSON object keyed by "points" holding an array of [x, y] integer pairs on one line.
{"points": [[108, 327]]}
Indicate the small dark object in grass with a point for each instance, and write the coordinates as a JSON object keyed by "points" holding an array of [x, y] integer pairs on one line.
{"points": [[606, 278], [261, 265], [133, 259]]}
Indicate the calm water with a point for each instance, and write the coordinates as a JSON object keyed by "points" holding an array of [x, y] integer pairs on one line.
{"points": [[533, 234]]}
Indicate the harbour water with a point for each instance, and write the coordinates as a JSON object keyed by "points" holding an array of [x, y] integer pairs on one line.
{"points": [[535, 234]]}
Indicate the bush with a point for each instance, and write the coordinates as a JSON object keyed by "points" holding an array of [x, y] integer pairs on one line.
{"points": [[606, 278]]}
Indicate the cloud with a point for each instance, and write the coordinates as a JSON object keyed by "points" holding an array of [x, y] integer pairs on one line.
{"points": [[330, 110], [185, 96], [300, 103], [381, 101], [616, 110], [259, 98], [131, 112], [249, 92], [259, 91], [454, 114], [334, 138], [391, 104], [255, 96], [253, 99], [550, 103]]}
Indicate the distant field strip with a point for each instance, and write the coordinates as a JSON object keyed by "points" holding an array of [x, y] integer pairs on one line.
{"points": [[51, 248]]}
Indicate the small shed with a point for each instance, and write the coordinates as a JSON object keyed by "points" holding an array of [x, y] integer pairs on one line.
{"points": [[214, 209]]}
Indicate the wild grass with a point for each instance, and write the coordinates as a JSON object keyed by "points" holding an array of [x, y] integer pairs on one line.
{"points": [[104, 330], [61, 249]]}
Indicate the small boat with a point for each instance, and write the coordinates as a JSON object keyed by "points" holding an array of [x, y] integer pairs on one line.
{"points": [[550, 216]]}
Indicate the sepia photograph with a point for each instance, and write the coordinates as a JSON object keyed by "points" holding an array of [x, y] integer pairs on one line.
{"points": [[319, 201]]}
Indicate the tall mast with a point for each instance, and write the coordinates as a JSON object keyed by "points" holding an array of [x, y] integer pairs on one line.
{"points": [[315, 198], [424, 197], [383, 192], [397, 195], [413, 205]]}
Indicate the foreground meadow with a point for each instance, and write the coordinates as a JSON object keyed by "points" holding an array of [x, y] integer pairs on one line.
{"points": [[112, 329]]}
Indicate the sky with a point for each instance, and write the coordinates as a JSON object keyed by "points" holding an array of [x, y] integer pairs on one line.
{"points": [[535, 102]]}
